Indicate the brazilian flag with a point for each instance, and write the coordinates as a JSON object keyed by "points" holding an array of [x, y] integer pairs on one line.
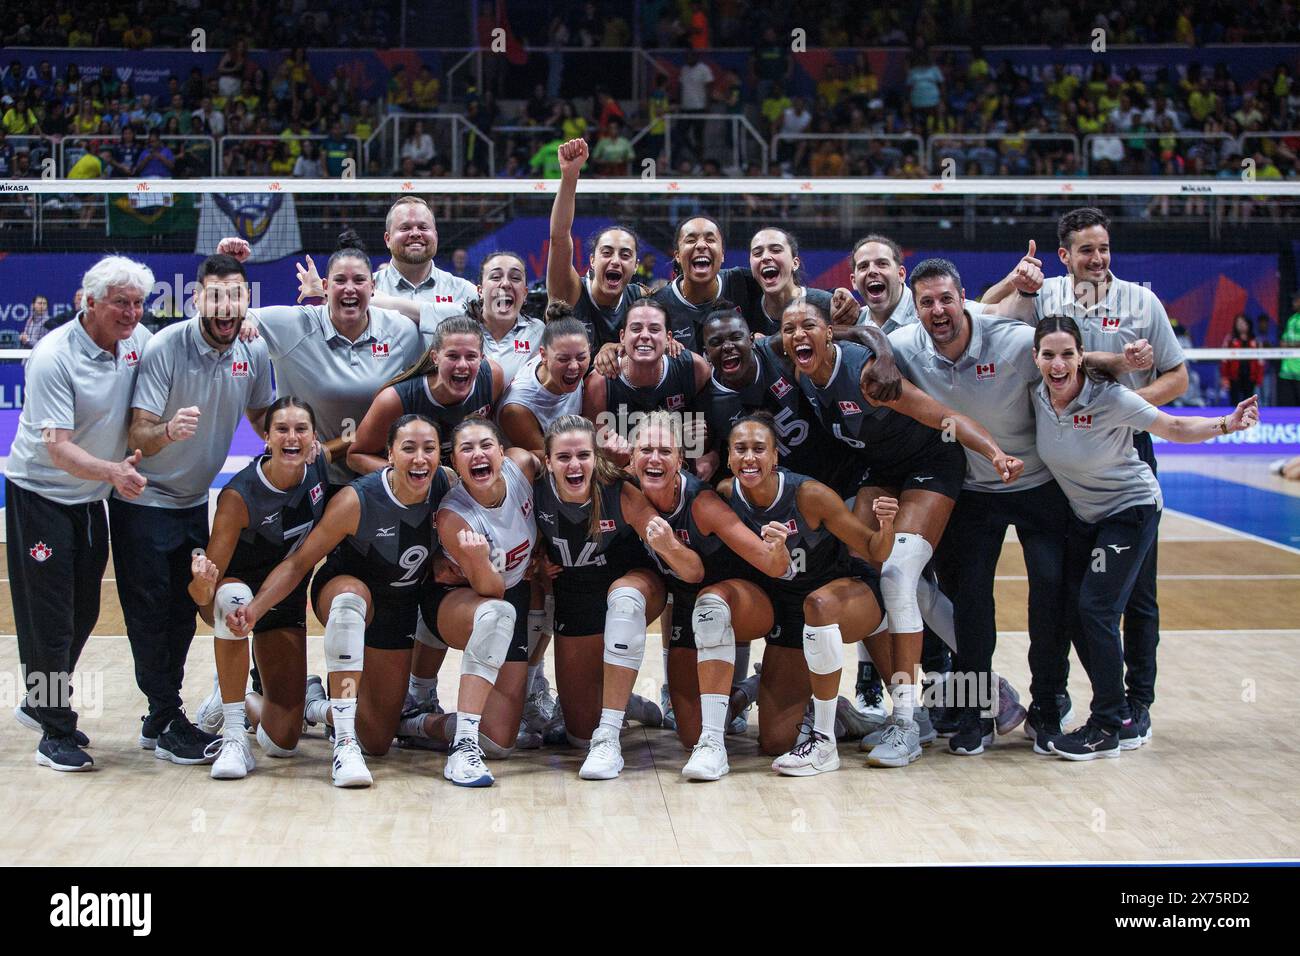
{"points": [[150, 214]]}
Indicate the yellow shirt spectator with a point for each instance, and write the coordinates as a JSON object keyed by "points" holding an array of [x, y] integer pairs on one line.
{"points": [[424, 93], [1064, 88], [89, 166], [19, 121], [1201, 104]]}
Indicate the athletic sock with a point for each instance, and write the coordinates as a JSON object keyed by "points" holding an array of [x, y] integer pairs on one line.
{"points": [[665, 660], [466, 727], [824, 717], [344, 710], [904, 700], [713, 713], [419, 687], [234, 717], [316, 710], [611, 719], [864, 656], [741, 670], [412, 727]]}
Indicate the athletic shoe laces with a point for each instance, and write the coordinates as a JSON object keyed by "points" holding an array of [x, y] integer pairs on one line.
{"points": [[471, 753], [894, 735], [808, 746]]}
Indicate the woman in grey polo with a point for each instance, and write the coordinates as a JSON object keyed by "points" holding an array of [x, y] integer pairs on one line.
{"points": [[1085, 426], [336, 356]]}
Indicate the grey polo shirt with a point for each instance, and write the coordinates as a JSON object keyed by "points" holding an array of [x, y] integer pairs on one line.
{"points": [[518, 345], [991, 383], [1128, 313], [441, 294], [73, 384], [1089, 448], [178, 369], [904, 313], [337, 377]]}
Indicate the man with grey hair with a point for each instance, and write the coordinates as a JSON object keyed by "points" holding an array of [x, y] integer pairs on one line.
{"points": [[69, 453]]}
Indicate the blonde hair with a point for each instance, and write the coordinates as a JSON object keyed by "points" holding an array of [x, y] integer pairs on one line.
{"points": [[605, 472], [665, 420]]}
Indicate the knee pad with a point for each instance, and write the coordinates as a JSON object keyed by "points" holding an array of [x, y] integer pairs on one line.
{"points": [[228, 597], [823, 648], [493, 750], [898, 580], [489, 641], [270, 747], [425, 636], [711, 621], [536, 628], [345, 633], [548, 607], [625, 626]]}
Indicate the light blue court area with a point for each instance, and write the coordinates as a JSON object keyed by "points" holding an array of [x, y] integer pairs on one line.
{"points": [[1265, 514]]}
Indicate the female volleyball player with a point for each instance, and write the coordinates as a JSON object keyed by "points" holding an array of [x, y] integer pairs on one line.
{"points": [[600, 299], [593, 523], [907, 458], [823, 600], [379, 540], [550, 385], [1085, 426], [263, 513]]}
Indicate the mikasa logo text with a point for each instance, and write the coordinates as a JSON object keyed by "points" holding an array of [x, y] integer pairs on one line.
{"points": [[75, 909]]}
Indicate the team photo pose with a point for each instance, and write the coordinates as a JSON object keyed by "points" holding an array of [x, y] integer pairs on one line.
{"points": [[1085, 424], [549, 385], [906, 458], [378, 537], [263, 514], [823, 600]]}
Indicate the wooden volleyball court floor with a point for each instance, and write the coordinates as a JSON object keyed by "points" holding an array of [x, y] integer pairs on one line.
{"points": [[1220, 780]]}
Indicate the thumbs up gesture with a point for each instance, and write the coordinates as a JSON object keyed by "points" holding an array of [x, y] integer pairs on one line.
{"points": [[128, 482], [1027, 277]]}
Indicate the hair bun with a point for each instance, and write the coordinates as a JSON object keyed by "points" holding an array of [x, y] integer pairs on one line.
{"points": [[350, 239]]}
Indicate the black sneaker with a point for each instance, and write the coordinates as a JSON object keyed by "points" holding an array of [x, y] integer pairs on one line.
{"points": [[25, 714], [1087, 743], [1041, 728], [183, 743], [1137, 730], [946, 720], [1065, 708], [62, 753], [974, 733]]}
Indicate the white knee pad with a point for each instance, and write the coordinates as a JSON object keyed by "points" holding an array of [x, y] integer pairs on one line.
{"points": [[548, 606], [345, 633], [936, 610], [228, 597], [898, 579], [426, 637], [823, 648], [625, 626], [711, 621], [493, 750], [536, 628], [489, 641]]}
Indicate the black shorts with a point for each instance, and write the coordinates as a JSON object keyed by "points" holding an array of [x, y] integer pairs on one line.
{"points": [[580, 598], [684, 606], [940, 467], [787, 606], [291, 613], [519, 597], [392, 626]]}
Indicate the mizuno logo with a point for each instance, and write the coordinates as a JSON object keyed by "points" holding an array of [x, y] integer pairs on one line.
{"points": [[385, 532], [269, 518], [1119, 549], [546, 516], [923, 478]]}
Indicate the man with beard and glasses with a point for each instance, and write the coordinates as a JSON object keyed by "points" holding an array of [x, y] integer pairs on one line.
{"points": [[197, 379]]}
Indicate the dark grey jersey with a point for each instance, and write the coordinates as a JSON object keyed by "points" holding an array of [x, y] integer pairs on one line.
{"points": [[278, 521], [417, 399], [816, 556], [735, 285], [394, 543], [603, 324], [565, 528], [675, 391]]}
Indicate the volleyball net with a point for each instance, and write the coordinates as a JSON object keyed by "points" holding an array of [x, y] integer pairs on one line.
{"points": [[1212, 250]]}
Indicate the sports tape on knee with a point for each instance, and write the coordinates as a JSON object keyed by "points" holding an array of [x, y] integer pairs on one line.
{"points": [[711, 621], [489, 641], [898, 580], [823, 648], [228, 597], [345, 633], [625, 626]]}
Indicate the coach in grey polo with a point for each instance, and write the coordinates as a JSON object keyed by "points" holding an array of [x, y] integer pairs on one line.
{"points": [[68, 454], [336, 375], [983, 367], [411, 236], [197, 380]]}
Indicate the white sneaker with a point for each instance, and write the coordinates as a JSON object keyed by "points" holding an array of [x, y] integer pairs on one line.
{"points": [[708, 760], [235, 760], [350, 768], [539, 705], [210, 718], [900, 744], [817, 754], [465, 767], [604, 757]]}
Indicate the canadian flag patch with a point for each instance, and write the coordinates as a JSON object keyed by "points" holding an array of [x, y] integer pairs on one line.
{"points": [[780, 388], [521, 345], [676, 402], [684, 535], [443, 298], [239, 370], [41, 551], [317, 492], [985, 371], [850, 408], [1082, 421], [131, 358], [527, 507], [379, 350], [792, 526], [607, 524], [1110, 323]]}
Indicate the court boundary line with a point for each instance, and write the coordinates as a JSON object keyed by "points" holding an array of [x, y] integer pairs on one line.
{"points": [[1237, 531]]}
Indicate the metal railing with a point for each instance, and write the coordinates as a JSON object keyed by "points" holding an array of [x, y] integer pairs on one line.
{"points": [[203, 151], [1150, 139], [865, 138], [1247, 137], [939, 141], [273, 140], [453, 135], [738, 123]]}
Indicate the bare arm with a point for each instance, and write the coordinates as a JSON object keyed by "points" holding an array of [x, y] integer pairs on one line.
{"points": [[1189, 429], [970, 433], [471, 552], [768, 553], [209, 568], [562, 281], [67, 456], [151, 435], [655, 532], [521, 428], [366, 453], [819, 503], [1167, 386]]}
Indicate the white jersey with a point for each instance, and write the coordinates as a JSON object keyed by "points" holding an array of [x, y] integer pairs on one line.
{"points": [[509, 527], [527, 391]]}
